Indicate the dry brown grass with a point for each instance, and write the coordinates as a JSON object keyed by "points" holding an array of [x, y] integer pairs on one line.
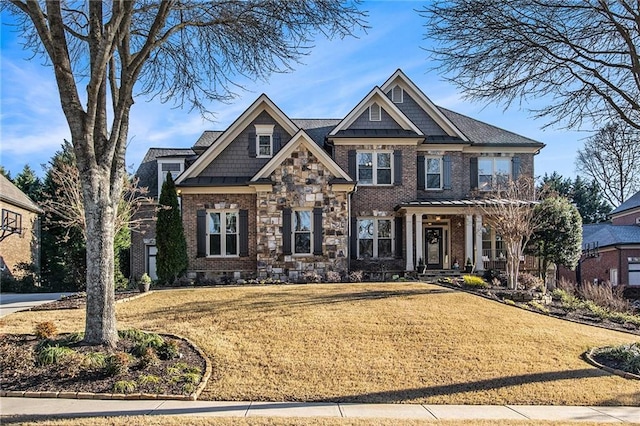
{"points": [[279, 421], [392, 342]]}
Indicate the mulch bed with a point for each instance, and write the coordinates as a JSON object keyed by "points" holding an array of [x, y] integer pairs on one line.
{"points": [[78, 301], [19, 370]]}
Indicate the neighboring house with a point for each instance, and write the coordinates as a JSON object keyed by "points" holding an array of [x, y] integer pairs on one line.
{"points": [[617, 258], [20, 230], [388, 185]]}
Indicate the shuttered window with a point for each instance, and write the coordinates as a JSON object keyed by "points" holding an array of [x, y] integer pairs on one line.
{"points": [[374, 168], [375, 237]]}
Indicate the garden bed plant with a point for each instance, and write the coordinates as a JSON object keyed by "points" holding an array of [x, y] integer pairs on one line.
{"points": [[142, 363]]}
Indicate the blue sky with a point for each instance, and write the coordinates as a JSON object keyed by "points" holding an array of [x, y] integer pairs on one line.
{"points": [[328, 84]]}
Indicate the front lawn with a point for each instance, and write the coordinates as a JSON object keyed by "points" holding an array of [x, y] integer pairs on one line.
{"points": [[409, 342]]}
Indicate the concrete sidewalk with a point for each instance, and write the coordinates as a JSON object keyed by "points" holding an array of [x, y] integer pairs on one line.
{"points": [[53, 407]]}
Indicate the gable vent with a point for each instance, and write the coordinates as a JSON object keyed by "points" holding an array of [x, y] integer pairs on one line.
{"points": [[397, 95], [375, 112]]}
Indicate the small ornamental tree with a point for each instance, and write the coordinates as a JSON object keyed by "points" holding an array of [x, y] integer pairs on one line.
{"points": [[171, 259], [558, 237]]}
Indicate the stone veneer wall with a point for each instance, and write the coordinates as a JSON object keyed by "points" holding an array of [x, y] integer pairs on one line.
{"points": [[302, 181]]}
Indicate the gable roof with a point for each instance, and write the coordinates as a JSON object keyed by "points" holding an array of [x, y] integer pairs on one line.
{"points": [[317, 128], [207, 138], [263, 103], [378, 96], [11, 194], [301, 138], [631, 203], [400, 78], [606, 234], [478, 132]]}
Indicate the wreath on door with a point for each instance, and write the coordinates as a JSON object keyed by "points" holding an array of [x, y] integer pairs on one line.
{"points": [[433, 237]]}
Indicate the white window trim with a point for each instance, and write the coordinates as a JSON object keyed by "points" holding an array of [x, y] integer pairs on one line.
{"points": [[426, 172], [293, 232], [264, 130], [375, 220], [371, 114], [493, 171], [374, 161], [223, 233], [162, 175], [394, 95], [493, 254]]}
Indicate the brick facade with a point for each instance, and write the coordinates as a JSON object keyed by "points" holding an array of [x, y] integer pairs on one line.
{"points": [[22, 247]]}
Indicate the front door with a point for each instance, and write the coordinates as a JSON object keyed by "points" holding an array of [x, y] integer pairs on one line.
{"points": [[434, 244]]}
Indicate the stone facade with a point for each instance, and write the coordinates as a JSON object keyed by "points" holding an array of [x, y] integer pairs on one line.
{"points": [[301, 182]]}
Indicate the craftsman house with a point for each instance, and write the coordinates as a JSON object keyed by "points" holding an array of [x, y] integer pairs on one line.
{"points": [[384, 188]]}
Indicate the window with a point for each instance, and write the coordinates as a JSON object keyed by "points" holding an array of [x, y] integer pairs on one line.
{"points": [[375, 112], [11, 222], [375, 238], [493, 173], [492, 245], [222, 233], [174, 167], [264, 140], [302, 230], [397, 95], [433, 169], [374, 168]]}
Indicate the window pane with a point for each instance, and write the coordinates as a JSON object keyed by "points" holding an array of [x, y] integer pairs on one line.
{"points": [[302, 221], [303, 242], [365, 159], [264, 145], [365, 167], [503, 166], [384, 176], [433, 165], [214, 245], [484, 182], [365, 175], [232, 221], [365, 229], [384, 228], [365, 248], [485, 166], [384, 248], [384, 160], [231, 245], [214, 223], [433, 181]]}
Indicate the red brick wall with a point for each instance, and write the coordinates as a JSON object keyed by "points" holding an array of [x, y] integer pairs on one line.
{"points": [[599, 267], [628, 218], [145, 217]]}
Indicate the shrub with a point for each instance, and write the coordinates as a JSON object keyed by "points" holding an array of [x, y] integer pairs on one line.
{"points": [[495, 277], [117, 364], [71, 338], [606, 296], [569, 301], [474, 281], [53, 354], [45, 330], [146, 379], [627, 355], [567, 286], [529, 281], [539, 306], [94, 360], [333, 277], [124, 386], [169, 350], [356, 276], [311, 277], [149, 358]]}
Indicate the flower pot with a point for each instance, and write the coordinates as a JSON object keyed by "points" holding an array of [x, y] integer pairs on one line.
{"points": [[144, 287]]}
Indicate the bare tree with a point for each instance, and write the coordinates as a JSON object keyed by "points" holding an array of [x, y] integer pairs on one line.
{"points": [[183, 50], [66, 203], [611, 158], [581, 56], [510, 212]]}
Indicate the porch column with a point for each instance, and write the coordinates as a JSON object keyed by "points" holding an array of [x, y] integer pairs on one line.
{"points": [[419, 244], [479, 261], [468, 239], [409, 241]]}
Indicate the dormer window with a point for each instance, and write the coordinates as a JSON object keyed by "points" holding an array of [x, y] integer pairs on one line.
{"points": [[174, 166], [397, 95], [264, 140], [375, 112]]}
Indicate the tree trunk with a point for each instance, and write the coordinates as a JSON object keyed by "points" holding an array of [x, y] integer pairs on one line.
{"points": [[100, 211]]}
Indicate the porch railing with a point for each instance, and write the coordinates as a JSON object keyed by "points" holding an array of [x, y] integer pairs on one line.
{"points": [[497, 259]]}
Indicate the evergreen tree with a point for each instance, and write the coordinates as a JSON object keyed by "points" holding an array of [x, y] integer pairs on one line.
{"points": [[172, 258], [588, 198], [6, 173], [29, 183], [558, 239]]}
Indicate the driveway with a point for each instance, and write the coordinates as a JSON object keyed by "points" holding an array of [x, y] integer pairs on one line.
{"points": [[14, 302]]}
